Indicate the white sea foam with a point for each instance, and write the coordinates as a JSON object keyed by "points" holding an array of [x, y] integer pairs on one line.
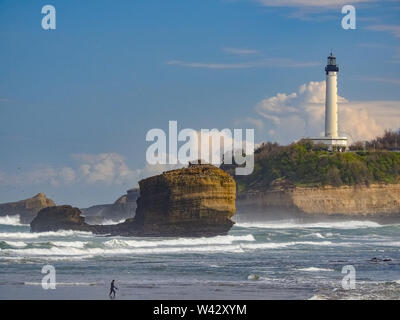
{"points": [[387, 243], [120, 243], [295, 224], [36, 259], [62, 284], [78, 249], [318, 297], [318, 235], [110, 222], [314, 235], [277, 245], [28, 235], [254, 277], [72, 244], [10, 220], [315, 269], [69, 251], [16, 244]]}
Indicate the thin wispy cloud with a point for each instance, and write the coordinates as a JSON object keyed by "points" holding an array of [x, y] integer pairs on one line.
{"points": [[5, 99], [369, 19], [390, 49], [39, 175], [241, 51], [309, 3], [311, 14], [312, 10], [396, 56], [395, 81], [373, 45], [265, 63], [394, 30]]}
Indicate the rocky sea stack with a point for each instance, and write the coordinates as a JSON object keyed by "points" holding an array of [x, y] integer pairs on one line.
{"points": [[26, 209], [59, 218], [194, 202]]}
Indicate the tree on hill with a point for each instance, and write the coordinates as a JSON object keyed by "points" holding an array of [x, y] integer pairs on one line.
{"points": [[389, 141]]}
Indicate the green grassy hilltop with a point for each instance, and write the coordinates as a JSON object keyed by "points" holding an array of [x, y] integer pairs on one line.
{"points": [[305, 164]]}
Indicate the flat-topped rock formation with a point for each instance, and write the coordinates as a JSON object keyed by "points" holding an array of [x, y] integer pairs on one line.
{"points": [[195, 201], [26, 209]]}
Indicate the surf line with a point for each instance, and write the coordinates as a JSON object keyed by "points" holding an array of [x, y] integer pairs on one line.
{"points": [[165, 310]]}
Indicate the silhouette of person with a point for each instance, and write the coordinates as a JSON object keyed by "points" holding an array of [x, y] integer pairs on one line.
{"points": [[112, 289]]}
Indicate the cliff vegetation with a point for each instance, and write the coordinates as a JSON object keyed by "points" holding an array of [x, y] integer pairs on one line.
{"points": [[308, 165]]}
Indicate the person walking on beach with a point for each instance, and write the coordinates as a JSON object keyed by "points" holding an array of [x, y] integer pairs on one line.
{"points": [[112, 289]]}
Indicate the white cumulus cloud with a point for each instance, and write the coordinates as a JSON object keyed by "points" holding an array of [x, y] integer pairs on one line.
{"points": [[105, 167], [291, 116]]}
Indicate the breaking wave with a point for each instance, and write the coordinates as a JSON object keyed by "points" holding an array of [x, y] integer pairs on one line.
{"points": [[314, 269], [282, 257], [28, 235], [116, 247], [13, 244], [111, 222], [10, 221], [221, 240], [295, 224]]}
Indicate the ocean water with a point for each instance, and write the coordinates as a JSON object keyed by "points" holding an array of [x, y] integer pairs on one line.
{"points": [[275, 260]]}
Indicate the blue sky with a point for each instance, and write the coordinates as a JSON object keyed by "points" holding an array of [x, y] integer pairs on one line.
{"points": [[76, 102]]}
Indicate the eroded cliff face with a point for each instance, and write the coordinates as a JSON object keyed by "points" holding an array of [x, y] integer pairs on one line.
{"points": [[195, 201], [378, 200], [26, 209], [199, 200]]}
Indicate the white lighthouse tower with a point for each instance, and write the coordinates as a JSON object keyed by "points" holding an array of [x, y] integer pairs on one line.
{"points": [[331, 125], [331, 139]]}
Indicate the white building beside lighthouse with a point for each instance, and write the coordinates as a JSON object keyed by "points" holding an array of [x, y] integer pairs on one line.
{"points": [[331, 139]]}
